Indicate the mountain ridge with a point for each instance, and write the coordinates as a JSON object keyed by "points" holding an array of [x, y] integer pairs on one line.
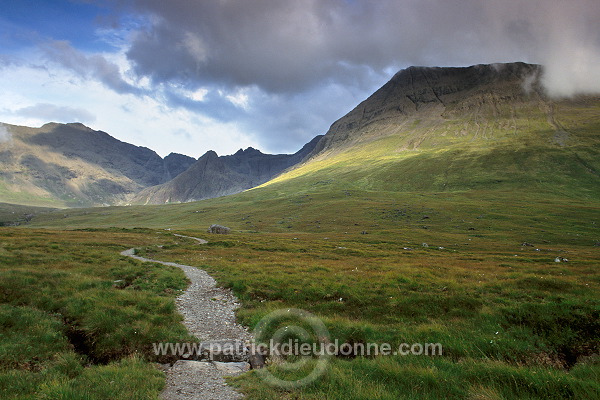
{"points": [[430, 90], [74, 165], [214, 176], [428, 128]]}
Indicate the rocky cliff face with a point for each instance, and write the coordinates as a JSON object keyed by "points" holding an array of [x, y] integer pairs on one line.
{"points": [[76, 141], [214, 176], [261, 167]]}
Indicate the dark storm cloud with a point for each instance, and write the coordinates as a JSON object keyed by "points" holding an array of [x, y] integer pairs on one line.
{"points": [[286, 46], [280, 46], [304, 63]]}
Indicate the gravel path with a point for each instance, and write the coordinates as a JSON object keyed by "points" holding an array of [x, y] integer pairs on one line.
{"points": [[209, 314]]}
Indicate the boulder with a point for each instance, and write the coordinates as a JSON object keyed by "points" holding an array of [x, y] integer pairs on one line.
{"points": [[219, 229]]}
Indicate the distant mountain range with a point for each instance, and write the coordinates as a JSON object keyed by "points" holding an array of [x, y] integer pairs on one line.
{"points": [[74, 165], [440, 129], [214, 176]]}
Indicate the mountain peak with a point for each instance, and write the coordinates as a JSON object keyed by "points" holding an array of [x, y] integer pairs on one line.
{"points": [[79, 125], [76, 125], [210, 154], [248, 151], [518, 68], [435, 94], [448, 80]]}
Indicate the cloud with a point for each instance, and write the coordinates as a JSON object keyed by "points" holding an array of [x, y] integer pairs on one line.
{"points": [[285, 70], [564, 36], [212, 103], [5, 135], [284, 123], [572, 52], [50, 112], [279, 46], [6, 61], [290, 46], [88, 66], [148, 121]]}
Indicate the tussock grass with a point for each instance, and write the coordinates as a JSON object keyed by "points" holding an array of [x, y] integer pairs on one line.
{"points": [[473, 270], [77, 320]]}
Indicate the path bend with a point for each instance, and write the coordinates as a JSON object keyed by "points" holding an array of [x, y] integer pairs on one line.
{"points": [[209, 314]]}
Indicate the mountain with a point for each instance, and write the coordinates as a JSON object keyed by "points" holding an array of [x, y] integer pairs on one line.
{"points": [[214, 176], [73, 165], [436, 96], [448, 129], [429, 129], [176, 163]]}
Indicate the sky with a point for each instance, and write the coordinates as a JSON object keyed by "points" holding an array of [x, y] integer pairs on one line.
{"points": [[188, 76]]}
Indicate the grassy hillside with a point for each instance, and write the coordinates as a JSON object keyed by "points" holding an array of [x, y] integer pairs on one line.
{"points": [[458, 153], [14, 215]]}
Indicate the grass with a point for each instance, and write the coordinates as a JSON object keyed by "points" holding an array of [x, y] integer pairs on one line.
{"points": [[513, 323], [77, 320], [14, 215]]}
